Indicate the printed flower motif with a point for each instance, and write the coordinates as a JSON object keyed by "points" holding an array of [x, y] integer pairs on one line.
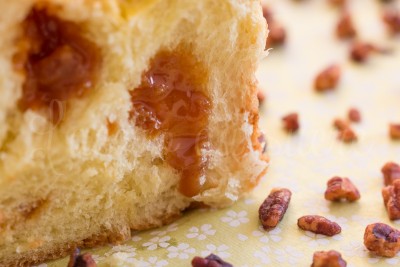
{"points": [[181, 251], [363, 221], [242, 237], [342, 221], [235, 219], [263, 255], [314, 240], [171, 228], [249, 201], [131, 251], [316, 207], [152, 262], [41, 265], [265, 236], [136, 238], [201, 234], [156, 242], [355, 249], [288, 254], [221, 251]]}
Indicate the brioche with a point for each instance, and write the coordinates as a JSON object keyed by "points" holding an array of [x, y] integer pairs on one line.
{"points": [[117, 115]]}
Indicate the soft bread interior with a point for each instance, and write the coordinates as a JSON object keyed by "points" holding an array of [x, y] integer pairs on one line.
{"points": [[94, 176]]}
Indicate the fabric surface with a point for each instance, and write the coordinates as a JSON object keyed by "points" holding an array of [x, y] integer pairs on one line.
{"points": [[302, 162]]}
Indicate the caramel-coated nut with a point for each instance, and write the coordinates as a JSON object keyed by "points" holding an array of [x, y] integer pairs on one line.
{"points": [[330, 258], [339, 188], [274, 207], [382, 240], [319, 225]]}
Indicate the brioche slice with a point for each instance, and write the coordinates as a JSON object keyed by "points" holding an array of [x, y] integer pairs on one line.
{"points": [[117, 115]]}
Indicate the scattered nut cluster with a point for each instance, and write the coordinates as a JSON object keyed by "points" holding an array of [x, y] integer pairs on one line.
{"points": [[319, 225], [382, 240], [274, 207], [81, 260], [341, 188], [330, 258], [346, 133]]}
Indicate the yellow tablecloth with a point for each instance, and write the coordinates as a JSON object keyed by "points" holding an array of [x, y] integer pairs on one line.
{"points": [[303, 162]]}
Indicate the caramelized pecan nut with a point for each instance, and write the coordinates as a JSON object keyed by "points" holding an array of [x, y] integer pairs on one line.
{"points": [[347, 135], [345, 27], [330, 258], [354, 115], [382, 240], [327, 79], [391, 172], [274, 207], [210, 261], [81, 260], [291, 122], [319, 225], [391, 199], [339, 188], [394, 131]]}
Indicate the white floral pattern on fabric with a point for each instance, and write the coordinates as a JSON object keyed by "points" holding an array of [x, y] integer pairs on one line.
{"points": [[314, 240], [202, 232], [182, 251], [263, 255], [220, 250], [170, 228], [235, 219], [265, 236], [152, 262], [129, 250], [136, 238], [242, 237], [157, 242], [288, 254]]}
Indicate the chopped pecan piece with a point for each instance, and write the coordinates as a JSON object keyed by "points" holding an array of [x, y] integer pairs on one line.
{"points": [[274, 207], [340, 124], [347, 135], [330, 258], [391, 17], [345, 28], [391, 172], [81, 260], [291, 122], [391, 199], [341, 188], [319, 225], [277, 34], [394, 131], [354, 115], [382, 240], [360, 51], [327, 79], [210, 261]]}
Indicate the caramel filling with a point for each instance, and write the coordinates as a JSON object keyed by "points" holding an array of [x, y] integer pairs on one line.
{"points": [[171, 100], [59, 63]]}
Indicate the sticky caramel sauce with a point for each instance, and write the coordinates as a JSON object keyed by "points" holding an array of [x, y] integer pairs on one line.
{"points": [[59, 63], [171, 100]]}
